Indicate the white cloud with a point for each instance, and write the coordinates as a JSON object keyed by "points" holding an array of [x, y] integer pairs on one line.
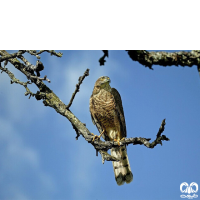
{"points": [[14, 103], [18, 164], [86, 169]]}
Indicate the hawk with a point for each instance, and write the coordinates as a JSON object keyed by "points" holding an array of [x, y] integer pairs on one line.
{"points": [[108, 116]]}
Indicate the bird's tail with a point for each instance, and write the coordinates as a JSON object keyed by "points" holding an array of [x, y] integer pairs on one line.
{"points": [[121, 168]]}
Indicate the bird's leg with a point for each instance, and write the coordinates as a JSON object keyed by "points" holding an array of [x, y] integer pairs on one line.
{"points": [[96, 136], [118, 140]]}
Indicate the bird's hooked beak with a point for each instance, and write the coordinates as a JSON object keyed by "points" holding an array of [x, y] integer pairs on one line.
{"points": [[108, 79]]}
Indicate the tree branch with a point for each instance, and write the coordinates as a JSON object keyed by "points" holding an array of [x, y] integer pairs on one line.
{"points": [[50, 99], [80, 80], [181, 58], [14, 55]]}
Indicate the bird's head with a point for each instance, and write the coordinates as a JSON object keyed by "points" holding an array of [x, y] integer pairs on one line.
{"points": [[102, 83]]}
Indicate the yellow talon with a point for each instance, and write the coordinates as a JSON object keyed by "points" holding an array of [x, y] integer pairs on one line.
{"points": [[96, 136], [118, 140]]}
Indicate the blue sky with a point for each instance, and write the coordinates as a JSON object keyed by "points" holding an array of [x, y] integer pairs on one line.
{"points": [[40, 158]]}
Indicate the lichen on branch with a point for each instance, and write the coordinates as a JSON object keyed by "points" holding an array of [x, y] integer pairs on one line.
{"points": [[162, 58]]}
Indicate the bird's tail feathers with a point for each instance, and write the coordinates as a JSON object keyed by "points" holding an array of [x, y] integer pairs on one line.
{"points": [[121, 168]]}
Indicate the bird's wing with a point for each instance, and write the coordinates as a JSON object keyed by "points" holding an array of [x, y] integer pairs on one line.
{"points": [[120, 111]]}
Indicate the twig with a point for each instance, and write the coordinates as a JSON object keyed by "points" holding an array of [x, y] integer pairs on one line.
{"points": [[38, 78], [161, 129], [34, 53], [52, 52], [106, 156], [80, 80], [102, 59], [15, 80], [77, 132]]}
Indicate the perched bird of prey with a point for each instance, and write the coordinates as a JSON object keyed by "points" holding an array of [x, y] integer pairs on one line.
{"points": [[108, 115]]}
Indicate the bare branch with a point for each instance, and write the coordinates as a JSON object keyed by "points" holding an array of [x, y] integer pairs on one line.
{"points": [[15, 80], [38, 78], [181, 58], [50, 99], [14, 55], [161, 129], [80, 80], [106, 156], [52, 52], [77, 132], [102, 59], [34, 52]]}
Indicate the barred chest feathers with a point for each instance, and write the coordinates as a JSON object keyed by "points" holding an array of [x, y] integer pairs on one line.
{"points": [[104, 106]]}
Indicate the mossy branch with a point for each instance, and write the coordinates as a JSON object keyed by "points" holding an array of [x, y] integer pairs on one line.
{"points": [[165, 59]]}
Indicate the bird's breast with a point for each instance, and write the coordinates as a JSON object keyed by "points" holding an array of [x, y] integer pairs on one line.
{"points": [[104, 106]]}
